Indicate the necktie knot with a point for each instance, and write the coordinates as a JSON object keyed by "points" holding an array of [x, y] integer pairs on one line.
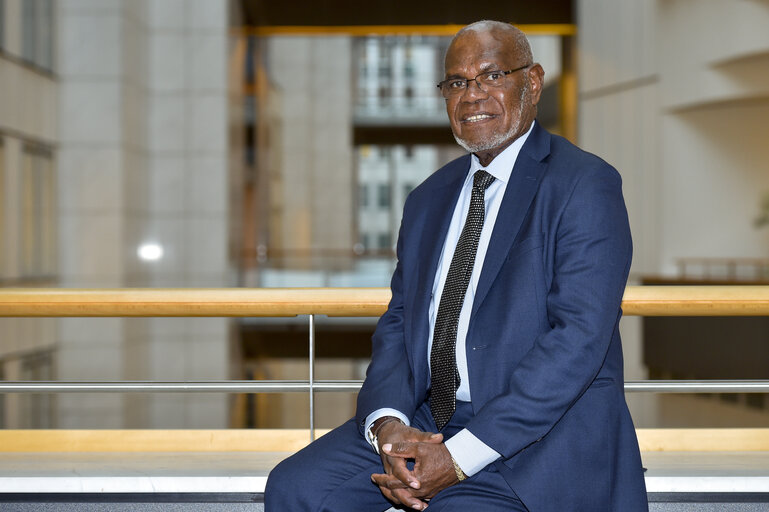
{"points": [[482, 179]]}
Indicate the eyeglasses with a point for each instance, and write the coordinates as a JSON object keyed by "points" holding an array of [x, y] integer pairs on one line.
{"points": [[456, 86]]}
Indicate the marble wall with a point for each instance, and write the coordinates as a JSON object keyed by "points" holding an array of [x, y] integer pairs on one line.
{"points": [[143, 160]]}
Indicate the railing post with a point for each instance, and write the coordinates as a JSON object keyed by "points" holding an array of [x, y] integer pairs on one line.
{"points": [[312, 377]]}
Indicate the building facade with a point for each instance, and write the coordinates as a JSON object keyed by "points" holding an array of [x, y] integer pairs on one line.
{"points": [[114, 170]]}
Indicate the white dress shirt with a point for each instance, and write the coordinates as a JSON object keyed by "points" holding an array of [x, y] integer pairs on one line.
{"points": [[468, 451]]}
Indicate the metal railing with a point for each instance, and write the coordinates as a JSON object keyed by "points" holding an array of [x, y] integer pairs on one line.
{"points": [[348, 302]]}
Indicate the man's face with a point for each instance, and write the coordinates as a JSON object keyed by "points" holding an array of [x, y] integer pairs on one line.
{"points": [[491, 119]]}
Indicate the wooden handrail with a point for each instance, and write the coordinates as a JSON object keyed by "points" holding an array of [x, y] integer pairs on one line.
{"points": [[193, 302], [289, 440], [696, 301], [352, 302]]}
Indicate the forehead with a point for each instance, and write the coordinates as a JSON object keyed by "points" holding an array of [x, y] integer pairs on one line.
{"points": [[477, 52]]}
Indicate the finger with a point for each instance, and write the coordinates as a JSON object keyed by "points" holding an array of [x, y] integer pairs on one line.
{"points": [[386, 463], [387, 481], [406, 498], [426, 437], [394, 490], [401, 450], [387, 493], [434, 438], [384, 483], [400, 471]]}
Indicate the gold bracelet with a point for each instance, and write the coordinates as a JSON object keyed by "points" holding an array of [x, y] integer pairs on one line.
{"points": [[460, 474]]}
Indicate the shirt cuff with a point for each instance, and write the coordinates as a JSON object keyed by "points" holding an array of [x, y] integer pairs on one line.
{"points": [[380, 413], [470, 453]]}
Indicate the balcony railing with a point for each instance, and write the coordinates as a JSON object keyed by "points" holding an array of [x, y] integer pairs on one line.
{"points": [[342, 302]]}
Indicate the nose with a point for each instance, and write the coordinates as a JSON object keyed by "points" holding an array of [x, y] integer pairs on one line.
{"points": [[473, 90]]}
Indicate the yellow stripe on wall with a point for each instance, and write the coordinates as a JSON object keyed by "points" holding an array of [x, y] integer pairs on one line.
{"points": [[562, 29]]}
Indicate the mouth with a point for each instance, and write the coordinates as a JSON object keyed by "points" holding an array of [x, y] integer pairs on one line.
{"points": [[477, 118]]}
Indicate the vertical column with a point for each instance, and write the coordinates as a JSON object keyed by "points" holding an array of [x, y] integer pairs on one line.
{"points": [[187, 208], [95, 163]]}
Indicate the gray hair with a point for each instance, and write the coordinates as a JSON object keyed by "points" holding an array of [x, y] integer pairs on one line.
{"points": [[504, 31]]}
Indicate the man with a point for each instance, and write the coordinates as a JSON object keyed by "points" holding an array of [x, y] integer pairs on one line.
{"points": [[496, 373]]}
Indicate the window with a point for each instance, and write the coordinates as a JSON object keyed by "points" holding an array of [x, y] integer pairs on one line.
{"points": [[29, 29], [37, 32], [38, 214], [383, 195], [384, 241], [363, 196]]}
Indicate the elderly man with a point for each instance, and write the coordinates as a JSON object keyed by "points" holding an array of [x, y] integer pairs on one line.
{"points": [[496, 373]]}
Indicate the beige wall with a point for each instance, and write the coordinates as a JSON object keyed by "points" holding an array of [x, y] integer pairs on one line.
{"points": [[675, 94]]}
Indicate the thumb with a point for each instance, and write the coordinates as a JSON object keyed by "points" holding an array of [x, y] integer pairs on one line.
{"points": [[435, 438], [399, 449]]}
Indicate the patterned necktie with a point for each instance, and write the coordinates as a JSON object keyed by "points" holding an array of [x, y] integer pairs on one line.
{"points": [[444, 376]]}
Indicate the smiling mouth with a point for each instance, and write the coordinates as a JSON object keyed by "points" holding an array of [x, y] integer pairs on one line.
{"points": [[477, 118]]}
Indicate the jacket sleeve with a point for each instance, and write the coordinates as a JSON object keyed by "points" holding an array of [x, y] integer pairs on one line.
{"points": [[592, 253], [389, 381]]}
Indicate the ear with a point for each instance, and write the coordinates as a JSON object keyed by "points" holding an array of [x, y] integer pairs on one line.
{"points": [[536, 76]]}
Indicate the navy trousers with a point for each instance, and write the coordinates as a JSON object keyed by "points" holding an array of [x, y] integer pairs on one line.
{"points": [[333, 474]]}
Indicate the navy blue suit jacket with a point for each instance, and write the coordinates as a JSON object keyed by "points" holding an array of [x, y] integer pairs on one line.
{"points": [[543, 346]]}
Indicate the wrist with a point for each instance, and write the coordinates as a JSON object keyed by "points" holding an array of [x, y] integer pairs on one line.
{"points": [[372, 436], [376, 427]]}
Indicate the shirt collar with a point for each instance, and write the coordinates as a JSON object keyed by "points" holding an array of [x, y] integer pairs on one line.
{"points": [[502, 165]]}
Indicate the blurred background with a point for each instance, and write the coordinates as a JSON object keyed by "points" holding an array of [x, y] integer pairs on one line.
{"points": [[244, 143]]}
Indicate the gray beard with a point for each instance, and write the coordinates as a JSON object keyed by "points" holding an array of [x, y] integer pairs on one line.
{"points": [[487, 143], [497, 139]]}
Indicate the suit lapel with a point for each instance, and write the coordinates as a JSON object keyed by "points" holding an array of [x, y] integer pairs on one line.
{"points": [[524, 181]]}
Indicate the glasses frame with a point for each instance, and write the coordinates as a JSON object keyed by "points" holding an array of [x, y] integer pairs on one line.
{"points": [[475, 79]]}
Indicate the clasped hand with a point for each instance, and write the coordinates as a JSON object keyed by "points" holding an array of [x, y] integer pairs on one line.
{"points": [[433, 468]]}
